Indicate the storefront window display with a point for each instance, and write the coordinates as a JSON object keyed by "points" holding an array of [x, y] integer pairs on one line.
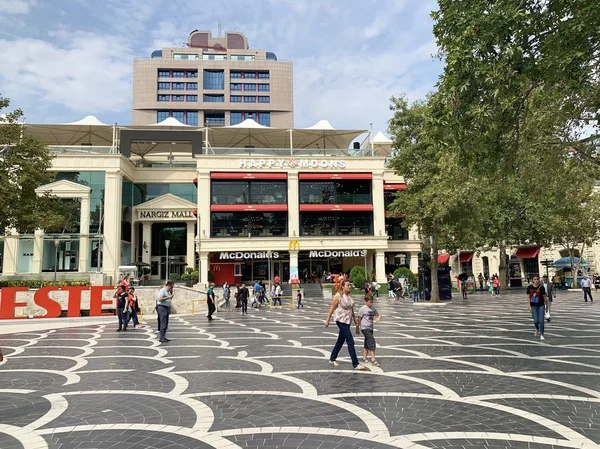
{"points": [[335, 192], [340, 223], [249, 192], [243, 224]]}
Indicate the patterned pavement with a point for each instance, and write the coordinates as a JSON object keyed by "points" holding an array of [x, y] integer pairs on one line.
{"points": [[460, 375]]}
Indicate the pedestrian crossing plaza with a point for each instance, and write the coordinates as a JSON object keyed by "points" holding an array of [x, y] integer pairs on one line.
{"points": [[464, 374]]}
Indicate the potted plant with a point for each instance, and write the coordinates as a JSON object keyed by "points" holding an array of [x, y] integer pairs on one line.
{"points": [[188, 277]]}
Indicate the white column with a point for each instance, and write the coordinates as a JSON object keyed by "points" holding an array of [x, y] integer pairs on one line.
{"points": [[11, 253], [380, 267], [413, 233], [378, 204], [134, 240], [293, 206], [190, 255], [203, 269], [84, 231], [414, 262], [113, 189], [146, 241], [38, 251], [369, 264]]}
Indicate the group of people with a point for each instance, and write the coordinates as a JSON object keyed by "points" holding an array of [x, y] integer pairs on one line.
{"points": [[128, 305], [398, 289]]}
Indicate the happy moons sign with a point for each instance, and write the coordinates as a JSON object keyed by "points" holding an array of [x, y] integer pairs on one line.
{"points": [[293, 163]]}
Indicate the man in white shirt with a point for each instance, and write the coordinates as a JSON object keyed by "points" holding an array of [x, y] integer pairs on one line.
{"points": [[586, 286]]}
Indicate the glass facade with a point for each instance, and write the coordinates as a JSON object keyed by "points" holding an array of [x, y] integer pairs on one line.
{"points": [[263, 99], [212, 98], [236, 99], [65, 256], [185, 56], [250, 87], [95, 181], [242, 57], [187, 117], [164, 86], [335, 192], [235, 86], [340, 223], [250, 99], [219, 57], [191, 86], [25, 259], [244, 224], [249, 192], [177, 86], [214, 80], [393, 223], [146, 192], [261, 87], [215, 118]]}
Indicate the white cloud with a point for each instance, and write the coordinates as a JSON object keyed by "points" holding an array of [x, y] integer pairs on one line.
{"points": [[90, 74], [15, 6]]}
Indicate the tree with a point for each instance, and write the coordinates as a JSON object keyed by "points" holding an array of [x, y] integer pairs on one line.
{"points": [[575, 219], [437, 187], [519, 86], [24, 166]]}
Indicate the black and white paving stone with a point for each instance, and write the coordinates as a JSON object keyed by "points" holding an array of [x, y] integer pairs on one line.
{"points": [[468, 374]]}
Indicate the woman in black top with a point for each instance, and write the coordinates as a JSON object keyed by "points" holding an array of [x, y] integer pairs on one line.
{"points": [[537, 305]]}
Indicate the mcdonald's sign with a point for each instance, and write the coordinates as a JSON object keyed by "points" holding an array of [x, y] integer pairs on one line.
{"points": [[216, 267], [294, 244]]}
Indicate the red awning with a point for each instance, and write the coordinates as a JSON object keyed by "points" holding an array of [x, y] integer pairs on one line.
{"points": [[248, 207], [390, 186], [330, 176], [245, 175], [465, 257], [528, 252], [336, 207], [195, 181], [443, 258]]}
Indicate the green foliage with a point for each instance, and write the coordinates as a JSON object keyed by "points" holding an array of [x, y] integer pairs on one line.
{"points": [[189, 270], [357, 276], [358, 281], [405, 272], [38, 284], [24, 165], [176, 276]]}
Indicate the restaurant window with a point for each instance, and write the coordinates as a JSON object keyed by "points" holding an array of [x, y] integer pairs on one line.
{"points": [[249, 192], [244, 224], [336, 223], [335, 192]]}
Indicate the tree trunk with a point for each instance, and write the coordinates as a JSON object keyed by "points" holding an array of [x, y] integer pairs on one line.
{"points": [[502, 273], [435, 289]]}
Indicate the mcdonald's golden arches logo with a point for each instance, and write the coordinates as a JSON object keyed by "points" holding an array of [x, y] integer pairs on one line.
{"points": [[294, 244], [216, 267]]}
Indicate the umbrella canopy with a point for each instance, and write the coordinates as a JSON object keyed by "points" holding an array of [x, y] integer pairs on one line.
{"points": [[139, 264], [565, 262], [87, 131]]}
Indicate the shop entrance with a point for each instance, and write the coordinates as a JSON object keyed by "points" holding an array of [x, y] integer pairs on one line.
{"points": [[175, 233]]}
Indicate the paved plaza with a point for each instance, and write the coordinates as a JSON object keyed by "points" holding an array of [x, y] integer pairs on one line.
{"points": [[468, 374]]}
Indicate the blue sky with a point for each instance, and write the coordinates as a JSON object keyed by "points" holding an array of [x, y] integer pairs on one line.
{"points": [[64, 59]]}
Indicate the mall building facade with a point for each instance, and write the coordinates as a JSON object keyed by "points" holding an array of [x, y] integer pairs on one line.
{"points": [[244, 202]]}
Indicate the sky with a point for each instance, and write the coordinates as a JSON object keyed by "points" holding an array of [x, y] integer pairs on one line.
{"points": [[64, 59]]}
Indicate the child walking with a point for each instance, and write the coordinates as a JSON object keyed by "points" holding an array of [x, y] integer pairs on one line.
{"points": [[368, 316], [299, 297]]}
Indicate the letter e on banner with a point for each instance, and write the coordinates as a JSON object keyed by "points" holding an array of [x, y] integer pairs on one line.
{"points": [[75, 300], [43, 300], [96, 300], [8, 303]]}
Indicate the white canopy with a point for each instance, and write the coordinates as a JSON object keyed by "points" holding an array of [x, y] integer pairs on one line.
{"points": [[380, 139], [248, 123], [169, 122], [321, 124], [88, 131], [89, 120]]}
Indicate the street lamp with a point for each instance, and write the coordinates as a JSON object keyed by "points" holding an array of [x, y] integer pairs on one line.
{"points": [[167, 243], [56, 245]]}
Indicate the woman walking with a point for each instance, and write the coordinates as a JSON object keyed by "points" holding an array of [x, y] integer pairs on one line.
{"points": [[342, 310], [226, 296]]}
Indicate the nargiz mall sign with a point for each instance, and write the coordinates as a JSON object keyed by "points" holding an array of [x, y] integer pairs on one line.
{"points": [[41, 298]]}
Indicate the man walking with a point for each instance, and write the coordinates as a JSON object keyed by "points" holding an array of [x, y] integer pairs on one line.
{"points": [[165, 295], [243, 293], [462, 277], [550, 294], [480, 279], [586, 286], [210, 301]]}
